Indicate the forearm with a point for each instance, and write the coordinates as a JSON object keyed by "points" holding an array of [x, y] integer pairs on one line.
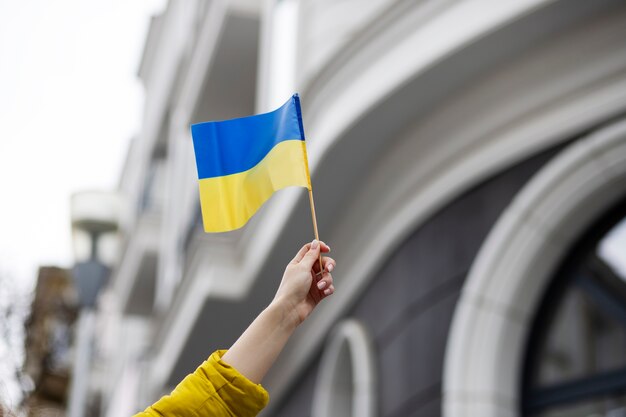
{"points": [[258, 347]]}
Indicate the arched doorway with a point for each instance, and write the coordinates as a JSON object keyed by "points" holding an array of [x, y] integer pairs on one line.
{"points": [[485, 352]]}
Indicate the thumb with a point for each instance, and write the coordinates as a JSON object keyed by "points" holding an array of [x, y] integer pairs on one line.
{"points": [[312, 255]]}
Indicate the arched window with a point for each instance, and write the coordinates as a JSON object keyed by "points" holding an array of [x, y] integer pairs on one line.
{"points": [[576, 357], [346, 381]]}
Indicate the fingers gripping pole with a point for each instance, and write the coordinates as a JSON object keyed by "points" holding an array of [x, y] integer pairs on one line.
{"points": [[317, 236]]}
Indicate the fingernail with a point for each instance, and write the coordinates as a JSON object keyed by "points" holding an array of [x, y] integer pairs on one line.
{"points": [[327, 291], [330, 267], [314, 244], [321, 284]]}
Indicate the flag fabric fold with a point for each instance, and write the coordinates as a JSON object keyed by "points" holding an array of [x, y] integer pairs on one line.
{"points": [[242, 162]]}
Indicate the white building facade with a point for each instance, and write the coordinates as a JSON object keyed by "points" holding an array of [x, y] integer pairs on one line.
{"points": [[468, 160]]}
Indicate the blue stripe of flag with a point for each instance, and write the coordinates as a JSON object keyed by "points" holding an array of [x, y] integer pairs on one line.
{"points": [[232, 146]]}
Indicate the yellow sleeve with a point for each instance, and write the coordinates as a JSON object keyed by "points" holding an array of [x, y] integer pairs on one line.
{"points": [[215, 389]]}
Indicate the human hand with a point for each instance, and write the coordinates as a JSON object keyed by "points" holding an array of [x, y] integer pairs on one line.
{"points": [[303, 286]]}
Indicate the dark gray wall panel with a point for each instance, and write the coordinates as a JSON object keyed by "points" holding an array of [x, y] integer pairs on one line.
{"points": [[410, 361], [300, 401]]}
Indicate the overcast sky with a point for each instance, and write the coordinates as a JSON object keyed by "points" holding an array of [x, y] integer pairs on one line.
{"points": [[69, 103]]}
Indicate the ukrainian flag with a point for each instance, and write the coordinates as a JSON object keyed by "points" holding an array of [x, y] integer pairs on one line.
{"points": [[242, 162]]}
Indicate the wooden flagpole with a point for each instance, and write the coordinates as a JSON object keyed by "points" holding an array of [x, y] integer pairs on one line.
{"points": [[317, 236]]}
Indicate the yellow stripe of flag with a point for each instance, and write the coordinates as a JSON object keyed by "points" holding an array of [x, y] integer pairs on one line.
{"points": [[282, 167]]}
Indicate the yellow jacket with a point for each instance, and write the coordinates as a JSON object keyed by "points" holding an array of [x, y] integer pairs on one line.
{"points": [[215, 389]]}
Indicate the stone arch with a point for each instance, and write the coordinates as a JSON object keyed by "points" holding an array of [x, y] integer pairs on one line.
{"points": [[486, 343], [347, 378]]}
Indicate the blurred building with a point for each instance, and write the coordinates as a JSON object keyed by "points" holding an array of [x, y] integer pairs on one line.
{"points": [[47, 346], [468, 160]]}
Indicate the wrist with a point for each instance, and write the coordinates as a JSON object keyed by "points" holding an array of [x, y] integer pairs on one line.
{"points": [[286, 312]]}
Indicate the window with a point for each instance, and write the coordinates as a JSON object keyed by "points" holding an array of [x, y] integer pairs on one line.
{"points": [[346, 381], [576, 357]]}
